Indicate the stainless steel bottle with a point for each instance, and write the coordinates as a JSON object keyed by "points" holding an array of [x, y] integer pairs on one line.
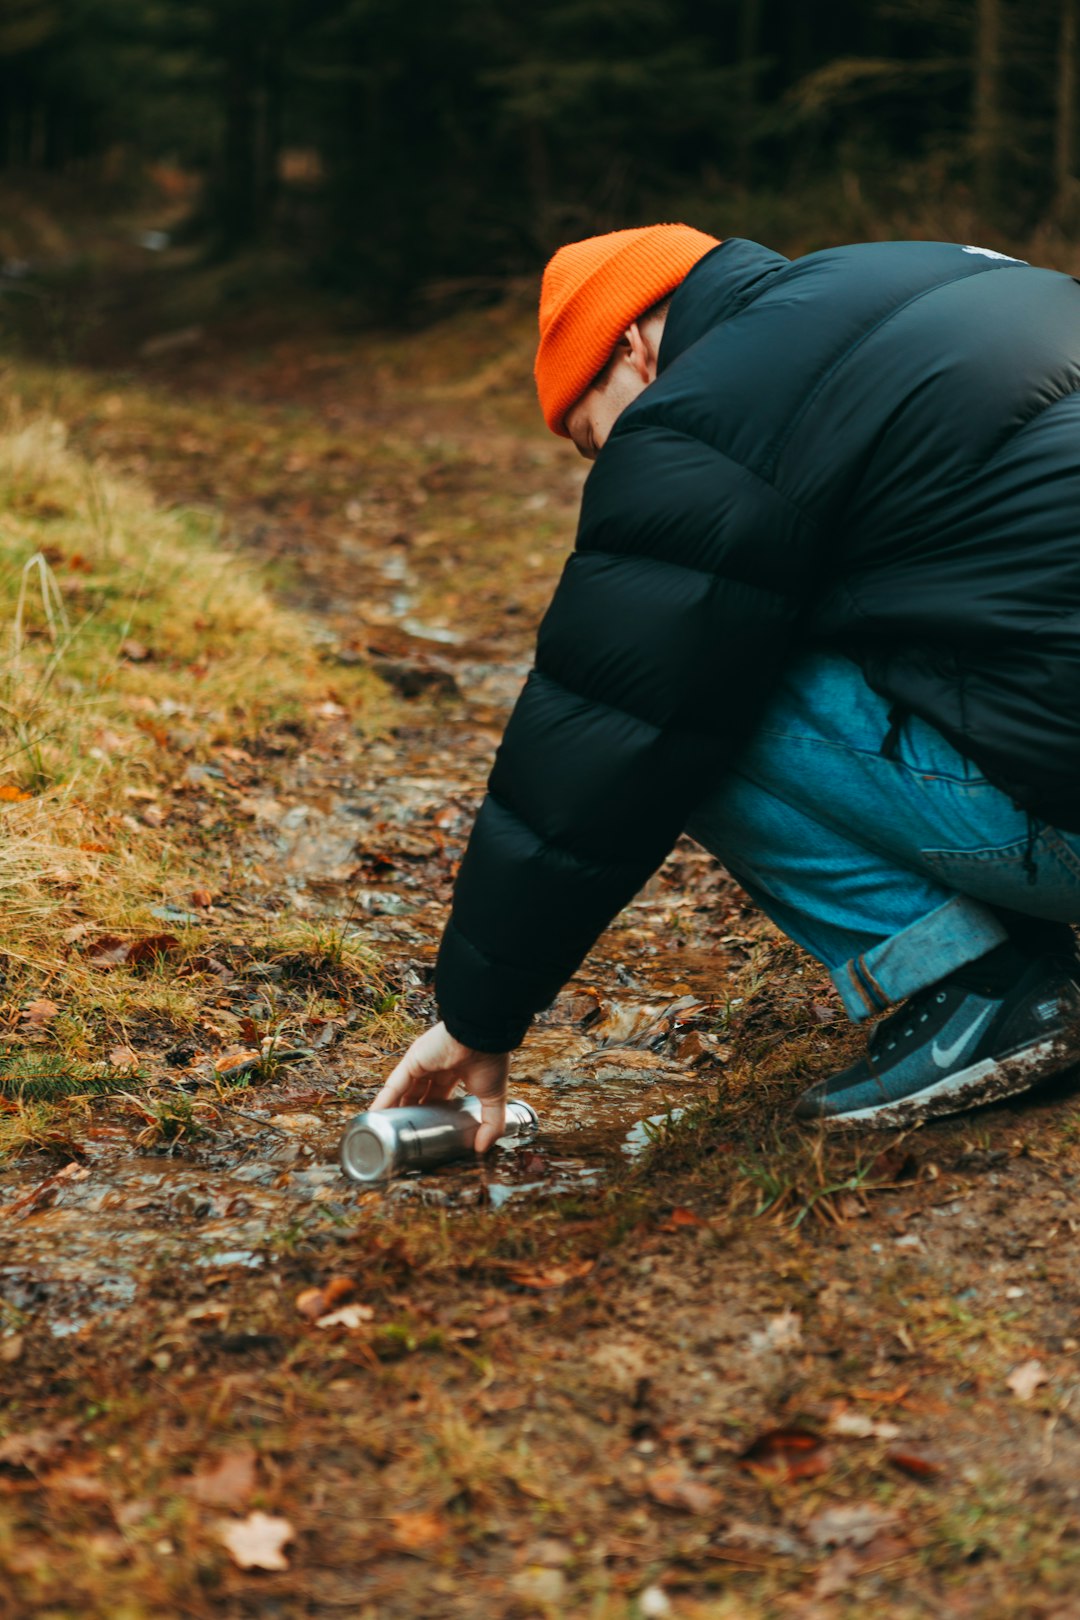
{"points": [[377, 1146]]}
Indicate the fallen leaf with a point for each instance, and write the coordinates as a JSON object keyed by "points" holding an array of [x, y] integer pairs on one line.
{"points": [[796, 1452], [134, 651], [496, 1316], [109, 951], [835, 1574], [77, 1483], [257, 1541], [11, 1347], [550, 1276], [914, 1463], [150, 948], [9, 794], [122, 1057], [202, 899], [765, 1537], [40, 1013], [892, 1164], [237, 1058], [783, 1332], [35, 1446], [316, 1302], [682, 1217], [310, 1303], [228, 1482], [672, 1486], [1025, 1379], [849, 1526], [421, 1529], [857, 1426], [347, 1316]]}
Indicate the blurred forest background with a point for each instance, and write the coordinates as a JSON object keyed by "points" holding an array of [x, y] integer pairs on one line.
{"points": [[384, 145]]}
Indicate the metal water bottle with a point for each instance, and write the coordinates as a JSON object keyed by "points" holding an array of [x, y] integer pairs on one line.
{"points": [[376, 1146]]}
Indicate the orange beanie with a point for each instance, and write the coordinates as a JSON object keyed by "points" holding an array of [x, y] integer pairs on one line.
{"points": [[591, 293]]}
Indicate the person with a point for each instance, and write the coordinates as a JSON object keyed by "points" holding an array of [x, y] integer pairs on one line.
{"points": [[823, 613]]}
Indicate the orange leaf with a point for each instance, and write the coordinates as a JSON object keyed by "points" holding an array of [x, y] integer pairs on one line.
{"points": [[316, 1302], [150, 948], [108, 950], [796, 1452], [235, 1058], [910, 1462], [337, 1291], [418, 1529], [551, 1276], [10, 794], [202, 899]]}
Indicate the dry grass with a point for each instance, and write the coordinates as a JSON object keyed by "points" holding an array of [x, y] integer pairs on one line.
{"points": [[134, 645]]}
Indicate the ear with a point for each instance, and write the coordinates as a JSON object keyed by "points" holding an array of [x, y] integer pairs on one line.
{"points": [[636, 348]]}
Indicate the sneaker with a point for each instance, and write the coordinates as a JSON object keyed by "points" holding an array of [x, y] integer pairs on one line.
{"points": [[968, 1039]]}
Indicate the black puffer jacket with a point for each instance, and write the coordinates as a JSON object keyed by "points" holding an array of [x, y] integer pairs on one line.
{"points": [[876, 448]]}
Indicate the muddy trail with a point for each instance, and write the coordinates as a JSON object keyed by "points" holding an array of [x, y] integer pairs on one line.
{"points": [[670, 1357]]}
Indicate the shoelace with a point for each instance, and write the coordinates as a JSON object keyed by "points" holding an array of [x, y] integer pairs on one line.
{"points": [[885, 1038]]}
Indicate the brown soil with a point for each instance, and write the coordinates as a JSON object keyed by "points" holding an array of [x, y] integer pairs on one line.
{"points": [[748, 1372]]}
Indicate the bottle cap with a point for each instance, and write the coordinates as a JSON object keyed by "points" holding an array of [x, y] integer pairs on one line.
{"points": [[370, 1148]]}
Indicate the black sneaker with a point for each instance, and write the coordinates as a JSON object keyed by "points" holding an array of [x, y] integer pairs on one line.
{"points": [[968, 1039]]}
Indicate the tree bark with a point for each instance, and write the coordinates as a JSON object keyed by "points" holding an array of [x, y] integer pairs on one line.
{"points": [[986, 107]]}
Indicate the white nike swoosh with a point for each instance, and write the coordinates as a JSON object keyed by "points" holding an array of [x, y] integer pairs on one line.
{"points": [[944, 1055]]}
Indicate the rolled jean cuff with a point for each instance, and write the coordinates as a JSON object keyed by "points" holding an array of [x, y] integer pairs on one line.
{"points": [[959, 931]]}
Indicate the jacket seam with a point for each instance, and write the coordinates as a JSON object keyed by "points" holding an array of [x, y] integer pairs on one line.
{"points": [[551, 844], [786, 433], [662, 728], [714, 574], [640, 425], [1022, 427]]}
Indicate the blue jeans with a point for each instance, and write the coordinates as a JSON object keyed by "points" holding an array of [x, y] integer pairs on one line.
{"points": [[891, 871]]}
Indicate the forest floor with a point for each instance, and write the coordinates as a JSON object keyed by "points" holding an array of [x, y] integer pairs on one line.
{"points": [[716, 1367]]}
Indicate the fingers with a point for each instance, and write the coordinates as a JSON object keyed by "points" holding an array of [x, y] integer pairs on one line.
{"points": [[409, 1077], [492, 1122]]}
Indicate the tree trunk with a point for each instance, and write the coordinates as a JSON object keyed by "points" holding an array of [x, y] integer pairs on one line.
{"points": [[239, 181], [749, 30], [986, 107], [1065, 123]]}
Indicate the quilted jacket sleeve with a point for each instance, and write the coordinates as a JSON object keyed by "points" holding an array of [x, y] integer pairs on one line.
{"points": [[662, 642]]}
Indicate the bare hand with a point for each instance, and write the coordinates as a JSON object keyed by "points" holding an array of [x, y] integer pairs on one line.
{"points": [[435, 1063]]}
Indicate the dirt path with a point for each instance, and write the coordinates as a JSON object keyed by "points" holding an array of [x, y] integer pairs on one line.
{"points": [[745, 1372]]}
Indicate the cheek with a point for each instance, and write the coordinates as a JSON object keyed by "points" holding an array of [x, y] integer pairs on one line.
{"points": [[622, 389]]}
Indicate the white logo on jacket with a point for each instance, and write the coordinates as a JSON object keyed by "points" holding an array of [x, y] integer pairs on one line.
{"points": [[991, 253]]}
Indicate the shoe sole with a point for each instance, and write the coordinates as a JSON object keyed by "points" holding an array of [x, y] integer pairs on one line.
{"points": [[985, 1082]]}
